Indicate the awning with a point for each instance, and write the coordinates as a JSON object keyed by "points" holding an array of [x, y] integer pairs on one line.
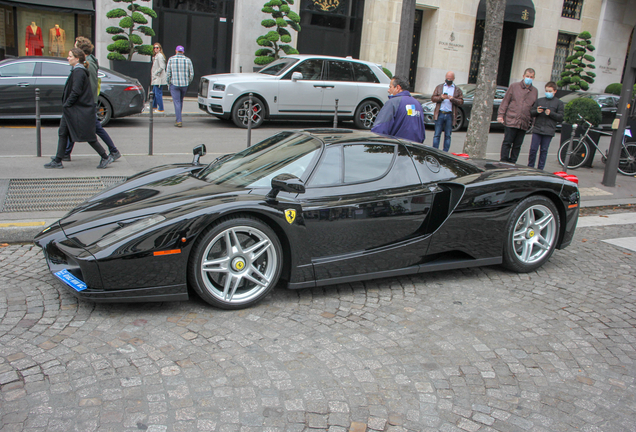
{"points": [[518, 12], [77, 6]]}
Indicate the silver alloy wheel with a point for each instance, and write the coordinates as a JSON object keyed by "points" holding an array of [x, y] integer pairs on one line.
{"points": [[239, 264], [257, 113], [368, 113], [534, 234]]}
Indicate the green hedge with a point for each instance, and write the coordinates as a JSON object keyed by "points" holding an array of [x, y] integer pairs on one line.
{"points": [[587, 107]]}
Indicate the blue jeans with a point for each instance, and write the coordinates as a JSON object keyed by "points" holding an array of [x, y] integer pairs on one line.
{"points": [[539, 142], [445, 121], [178, 93], [157, 101]]}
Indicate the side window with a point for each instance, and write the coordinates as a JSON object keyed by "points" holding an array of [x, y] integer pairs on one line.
{"points": [[500, 93], [329, 172], [22, 69], [55, 69], [340, 71], [311, 70], [606, 101], [363, 73], [363, 162]]}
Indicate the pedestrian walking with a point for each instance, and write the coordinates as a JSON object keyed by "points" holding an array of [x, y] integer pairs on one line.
{"points": [[158, 77], [93, 67], [402, 115], [447, 97], [179, 75], [547, 112], [78, 112], [514, 114]]}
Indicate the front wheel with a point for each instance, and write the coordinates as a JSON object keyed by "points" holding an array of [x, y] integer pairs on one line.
{"points": [[627, 160], [531, 234], [236, 263], [580, 151], [365, 114], [241, 114]]}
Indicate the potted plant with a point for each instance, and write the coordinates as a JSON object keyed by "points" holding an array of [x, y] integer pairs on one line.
{"points": [[590, 111], [127, 40], [282, 16]]}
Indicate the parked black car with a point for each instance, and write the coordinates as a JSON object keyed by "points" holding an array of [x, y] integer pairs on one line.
{"points": [[19, 77], [463, 113], [312, 208], [607, 102]]}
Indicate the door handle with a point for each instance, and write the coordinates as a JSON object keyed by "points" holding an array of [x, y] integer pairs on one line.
{"points": [[323, 86], [23, 84]]}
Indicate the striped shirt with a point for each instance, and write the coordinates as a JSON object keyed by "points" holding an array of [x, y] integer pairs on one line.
{"points": [[179, 71]]}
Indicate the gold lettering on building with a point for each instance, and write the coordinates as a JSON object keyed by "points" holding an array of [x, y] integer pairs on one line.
{"points": [[327, 5]]}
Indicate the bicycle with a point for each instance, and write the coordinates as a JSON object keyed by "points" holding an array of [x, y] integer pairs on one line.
{"points": [[581, 150]]}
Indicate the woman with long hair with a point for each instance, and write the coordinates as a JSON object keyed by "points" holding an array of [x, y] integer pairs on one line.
{"points": [[78, 112], [158, 76]]}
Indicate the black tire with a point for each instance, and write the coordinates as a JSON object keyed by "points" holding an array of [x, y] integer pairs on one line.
{"points": [[627, 160], [241, 275], [532, 233], [365, 114], [460, 119], [104, 110], [239, 112], [580, 153]]}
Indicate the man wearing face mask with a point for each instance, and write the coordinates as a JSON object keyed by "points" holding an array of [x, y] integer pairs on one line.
{"points": [[448, 97], [514, 114], [548, 111]]}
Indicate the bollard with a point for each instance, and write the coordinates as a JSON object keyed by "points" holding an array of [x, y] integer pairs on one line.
{"points": [[335, 116], [151, 96], [249, 120], [38, 124]]}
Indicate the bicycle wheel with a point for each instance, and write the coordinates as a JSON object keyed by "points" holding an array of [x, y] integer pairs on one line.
{"points": [[627, 160], [580, 151]]}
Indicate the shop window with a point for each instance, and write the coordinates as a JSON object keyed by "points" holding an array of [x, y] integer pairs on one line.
{"points": [[45, 33], [564, 49], [7, 37], [572, 9]]}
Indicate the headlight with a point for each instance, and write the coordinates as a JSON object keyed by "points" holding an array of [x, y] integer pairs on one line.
{"points": [[134, 227], [218, 87]]}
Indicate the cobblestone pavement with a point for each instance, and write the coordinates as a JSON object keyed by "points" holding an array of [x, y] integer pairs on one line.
{"points": [[469, 350]]}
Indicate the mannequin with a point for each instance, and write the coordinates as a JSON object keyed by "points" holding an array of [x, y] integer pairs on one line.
{"points": [[33, 40], [57, 39]]}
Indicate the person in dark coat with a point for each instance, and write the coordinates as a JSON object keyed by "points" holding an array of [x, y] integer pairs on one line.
{"points": [[547, 112], [402, 115], [78, 112]]}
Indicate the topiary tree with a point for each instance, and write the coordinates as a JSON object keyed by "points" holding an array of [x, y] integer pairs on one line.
{"points": [[576, 74], [387, 72], [126, 41], [282, 16], [586, 107], [616, 88]]}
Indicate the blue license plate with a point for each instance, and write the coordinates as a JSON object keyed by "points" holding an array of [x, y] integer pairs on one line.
{"points": [[70, 280]]}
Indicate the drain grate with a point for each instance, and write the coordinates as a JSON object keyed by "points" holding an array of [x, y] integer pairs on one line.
{"points": [[31, 195]]}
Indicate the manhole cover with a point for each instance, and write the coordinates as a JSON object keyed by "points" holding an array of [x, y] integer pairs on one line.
{"points": [[31, 195]]}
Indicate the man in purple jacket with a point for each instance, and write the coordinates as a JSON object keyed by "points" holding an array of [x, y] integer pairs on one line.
{"points": [[401, 116]]}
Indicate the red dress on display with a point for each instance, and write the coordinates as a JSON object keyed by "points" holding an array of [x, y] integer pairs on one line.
{"points": [[34, 42]]}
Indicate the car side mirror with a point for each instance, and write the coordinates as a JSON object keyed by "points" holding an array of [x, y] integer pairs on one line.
{"points": [[297, 76], [198, 151], [286, 182]]}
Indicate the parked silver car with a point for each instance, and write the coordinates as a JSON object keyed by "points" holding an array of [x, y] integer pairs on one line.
{"points": [[298, 87]]}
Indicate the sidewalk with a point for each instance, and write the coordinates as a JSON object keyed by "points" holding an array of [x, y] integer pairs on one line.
{"points": [[190, 108]]}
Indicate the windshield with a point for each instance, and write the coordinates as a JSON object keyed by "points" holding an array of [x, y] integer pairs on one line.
{"points": [[256, 166], [278, 67]]}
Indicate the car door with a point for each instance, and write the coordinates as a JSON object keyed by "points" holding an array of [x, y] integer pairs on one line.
{"points": [[302, 97], [365, 211], [17, 89], [340, 84], [608, 110], [51, 80], [499, 95]]}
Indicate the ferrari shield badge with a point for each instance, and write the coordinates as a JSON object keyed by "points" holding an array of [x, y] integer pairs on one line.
{"points": [[290, 215]]}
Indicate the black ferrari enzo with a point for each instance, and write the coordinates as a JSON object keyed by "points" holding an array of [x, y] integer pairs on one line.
{"points": [[314, 207]]}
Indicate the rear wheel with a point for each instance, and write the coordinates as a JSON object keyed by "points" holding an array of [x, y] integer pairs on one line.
{"points": [[580, 152], [531, 234], [241, 114], [365, 114], [236, 263], [627, 160], [459, 120], [104, 110]]}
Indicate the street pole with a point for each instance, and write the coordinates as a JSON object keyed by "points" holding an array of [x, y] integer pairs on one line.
{"points": [[249, 120], [611, 167], [405, 40], [150, 132], [38, 124]]}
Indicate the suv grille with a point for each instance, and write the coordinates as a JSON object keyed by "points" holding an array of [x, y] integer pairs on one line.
{"points": [[204, 84]]}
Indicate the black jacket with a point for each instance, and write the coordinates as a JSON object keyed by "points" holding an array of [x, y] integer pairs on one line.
{"points": [[79, 106], [546, 124]]}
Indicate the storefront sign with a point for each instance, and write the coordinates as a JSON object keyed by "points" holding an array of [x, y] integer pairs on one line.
{"points": [[327, 5], [451, 46], [608, 69]]}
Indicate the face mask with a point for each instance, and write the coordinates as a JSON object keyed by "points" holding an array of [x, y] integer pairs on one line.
{"points": [[449, 82], [527, 81], [549, 95]]}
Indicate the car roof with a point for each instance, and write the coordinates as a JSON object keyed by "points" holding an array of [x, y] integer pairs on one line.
{"points": [[340, 136], [310, 56]]}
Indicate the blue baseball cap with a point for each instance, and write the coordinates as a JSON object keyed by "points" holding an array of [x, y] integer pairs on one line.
{"points": [[180, 48]]}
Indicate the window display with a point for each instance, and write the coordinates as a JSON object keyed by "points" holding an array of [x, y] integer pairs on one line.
{"points": [[33, 40], [45, 33]]}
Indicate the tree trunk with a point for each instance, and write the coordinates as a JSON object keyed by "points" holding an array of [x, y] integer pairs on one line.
{"points": [[405, 41], [481, 114]]}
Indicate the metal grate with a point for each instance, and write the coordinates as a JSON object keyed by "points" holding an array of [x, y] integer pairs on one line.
{"points": [[31, 195], [564, 49]]}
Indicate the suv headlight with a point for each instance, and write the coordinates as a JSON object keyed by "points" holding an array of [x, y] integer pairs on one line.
{"points": [[218, 87]]}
